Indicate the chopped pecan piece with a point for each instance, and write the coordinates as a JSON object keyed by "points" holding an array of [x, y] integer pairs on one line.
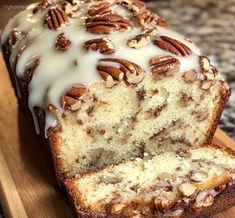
{"points": [[118, 208], [29, 71], [132, 5], [159, 21], [187, 190], [220, 188], [62, 43], [16, 35], [42, 5], [162, 66], [172, 45], [190, 76], [55, 18], [130, 71], [103, 45], [72, 95], [142, 40], [71, 8], [209, 71], [137, 8], [202, 114], [144, 17], [203, 199], [198, 176], [163, 204]]}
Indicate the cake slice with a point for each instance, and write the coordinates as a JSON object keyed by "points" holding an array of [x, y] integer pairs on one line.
{"points": [[173, 184]]}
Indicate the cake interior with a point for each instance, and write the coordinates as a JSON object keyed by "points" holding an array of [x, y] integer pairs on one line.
{"points": [[162, 183], [109, 125]]}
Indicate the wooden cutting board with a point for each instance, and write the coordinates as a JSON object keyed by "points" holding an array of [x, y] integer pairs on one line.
{"points": [[27, 185]]}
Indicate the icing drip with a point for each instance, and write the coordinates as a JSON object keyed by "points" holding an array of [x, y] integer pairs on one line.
{"points": [[57, 71]]}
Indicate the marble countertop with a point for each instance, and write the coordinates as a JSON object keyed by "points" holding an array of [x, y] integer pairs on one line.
{"points": [[209, 23]]}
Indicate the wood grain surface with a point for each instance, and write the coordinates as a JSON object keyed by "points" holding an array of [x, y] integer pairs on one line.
{"points": [[27, 184]]}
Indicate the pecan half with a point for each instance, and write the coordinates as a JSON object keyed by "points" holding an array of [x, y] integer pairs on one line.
{"points": [[100, 8], [107, 24], [162, 66], [142, 40], [172, 45], [102, 20], [72, 95], [103, 45], [109, 71], [118, 208], [62, 43], [55, 18]]}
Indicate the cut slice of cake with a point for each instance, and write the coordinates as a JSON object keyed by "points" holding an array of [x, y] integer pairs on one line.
{"points": [[172, 184]]}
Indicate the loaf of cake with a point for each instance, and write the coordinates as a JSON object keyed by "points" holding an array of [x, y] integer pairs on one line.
{"points": [[172, 184], [112, 82], [106, 82]]}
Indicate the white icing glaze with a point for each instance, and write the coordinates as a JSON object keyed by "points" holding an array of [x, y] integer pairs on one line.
{"points": [[56, 71]]}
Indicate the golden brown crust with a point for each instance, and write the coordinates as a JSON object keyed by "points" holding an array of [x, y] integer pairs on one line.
{"points": [[54, 145], [223, 201], [225, 92]]}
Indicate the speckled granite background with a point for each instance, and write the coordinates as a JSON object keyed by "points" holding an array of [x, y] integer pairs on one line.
{"points": [[211, 25]]}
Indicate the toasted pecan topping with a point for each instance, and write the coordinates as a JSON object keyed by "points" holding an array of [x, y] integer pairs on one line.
{"points": [[102, 20], [42, 5], [72, 95], [172, 45], [62, 43], [142, 40], [29, 71], [127, 70], [55, 18], [160, 21], [164, 66], [103, 45], [209, 71]]}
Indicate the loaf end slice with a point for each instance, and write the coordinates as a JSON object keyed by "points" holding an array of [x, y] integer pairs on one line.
{"points": [[173, 184]]}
